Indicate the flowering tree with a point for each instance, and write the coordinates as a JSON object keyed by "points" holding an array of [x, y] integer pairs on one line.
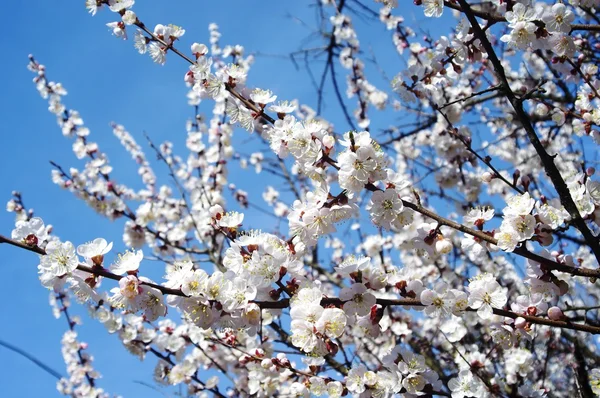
{"points": [[478, 216]]}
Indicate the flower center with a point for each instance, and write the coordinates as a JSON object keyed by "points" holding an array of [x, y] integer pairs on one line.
{"points": [[487, 298]]}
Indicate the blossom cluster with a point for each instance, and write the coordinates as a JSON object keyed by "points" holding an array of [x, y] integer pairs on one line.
{"points": [[446, 291]]}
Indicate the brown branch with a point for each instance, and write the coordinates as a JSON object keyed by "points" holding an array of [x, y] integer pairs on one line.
{"points": [[338, 95], [247, 103], [582, 374], [550, 264], [81, 359], [547, 160], [35, 249], [99, 271], [498, 18], [478, 93], [32, 358], [417, 303], [285, 303], [522, 251], [168, 359], [487, 160]]}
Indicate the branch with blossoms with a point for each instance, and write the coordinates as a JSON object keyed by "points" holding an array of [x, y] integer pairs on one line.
{"points": [[347, 321], [250, 105], [82, 376], [547, 160], [97, 270]]}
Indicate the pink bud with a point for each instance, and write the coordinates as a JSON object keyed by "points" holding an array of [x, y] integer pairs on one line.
{"points": [[328, 141], [520, 323], [243, 359], [427, 296], [555, 313], [189, 78], [590, 171]]}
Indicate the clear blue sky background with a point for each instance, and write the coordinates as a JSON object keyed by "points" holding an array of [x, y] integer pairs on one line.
{"points": [[108, 81]]}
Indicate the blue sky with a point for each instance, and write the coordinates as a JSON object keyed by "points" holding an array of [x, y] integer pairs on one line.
{"points": [[108, 81]]}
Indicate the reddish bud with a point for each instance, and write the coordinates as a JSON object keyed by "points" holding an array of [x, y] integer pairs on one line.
{"points": [[479, 223], [274, 294], [401, 285], [282, 272], [31, 240], [331, 347], [97, 260], [376, 314]]}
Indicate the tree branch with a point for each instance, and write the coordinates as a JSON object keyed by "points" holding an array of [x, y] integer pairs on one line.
{"points": [[547, 160]]}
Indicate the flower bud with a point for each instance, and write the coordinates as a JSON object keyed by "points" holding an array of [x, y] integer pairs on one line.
{"points": [[487, 177], [558, 117], [443, 246], [555, 313], [376, 314], [282, 272], [328, 141], [244, 359], [189, 77], [199, 50], [129, 17], [370, 378], [31, 240], [541, 110], [266, 363], [427, 296], [274, 294], [283, 360], [525, 181], [332, 348], [590, 171]]}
